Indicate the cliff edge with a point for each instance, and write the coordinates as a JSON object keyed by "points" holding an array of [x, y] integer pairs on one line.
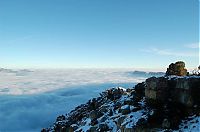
{"points": [[168, 103]]}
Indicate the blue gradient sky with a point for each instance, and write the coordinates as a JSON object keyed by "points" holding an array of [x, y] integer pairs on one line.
{"points": [[98, 33]]}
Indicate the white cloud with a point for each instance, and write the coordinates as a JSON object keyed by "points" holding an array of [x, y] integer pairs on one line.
{"points": [[193, 46], [32, 100], [41, 81], [168, 52]]}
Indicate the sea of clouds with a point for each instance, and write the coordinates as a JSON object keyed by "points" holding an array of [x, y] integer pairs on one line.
{"points": [[32, 99]]}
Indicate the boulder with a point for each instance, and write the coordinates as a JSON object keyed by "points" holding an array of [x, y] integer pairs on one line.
{"points": [[60, 118], [103, 128], [125, 109], [139, 89], [93, 129], [177, 69], [93, 114], [94, 122], [114, 94], [120, 120], [166, 124]]}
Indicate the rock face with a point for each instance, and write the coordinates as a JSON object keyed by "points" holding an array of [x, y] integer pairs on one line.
{"points": [[156, 88], [177, 69], [116, 109], [184, 90], [158, 104]]}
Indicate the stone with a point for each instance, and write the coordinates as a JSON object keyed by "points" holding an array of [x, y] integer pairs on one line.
{"points": [[125, 109], [182, 83], [165, 124], [74, 126], [177, 69], [104, 118], [93, 129], [114, 94], [94, 122], [110, 113], [93, 114], [120, 120], [93, 104], [117, 105], [129, 129], [129, 102], [183, 97], [139, 89], [43, 130], [103, 109], [152, 87], [178, 90], [60, 118], [141, 122], [129, 90], [150, 94], [103, 128]]}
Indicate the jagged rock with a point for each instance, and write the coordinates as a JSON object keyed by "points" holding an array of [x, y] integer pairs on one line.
{"points": [[177, 69], [128, 130], [94, 122], [114, 94], [103, 109], [60, 118], [139, 89], [74, 126], [117, 105], [93, 114], [165, 124], [104, 118], [128, 110], [125, 109], [129, 90], [93, 104], [120, 120], [103, 128], [43, 130], [69, 129], [93, 129], [136, 109], [110, 113], [141, 122], [129, 102]]}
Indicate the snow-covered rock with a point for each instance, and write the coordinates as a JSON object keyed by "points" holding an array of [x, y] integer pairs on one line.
{"points": [[118, 110]]}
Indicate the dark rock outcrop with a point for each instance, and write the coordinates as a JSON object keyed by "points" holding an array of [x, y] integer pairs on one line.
{"points": [[177, 69], [184, 90], [159, 103]]}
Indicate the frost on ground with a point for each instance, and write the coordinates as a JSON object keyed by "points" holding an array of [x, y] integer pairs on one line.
{"points": [[113, 111], [191, 124], [120, 109]]}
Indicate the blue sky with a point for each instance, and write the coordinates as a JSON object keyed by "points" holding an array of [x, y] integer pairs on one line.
{"points": [[98, 33]]}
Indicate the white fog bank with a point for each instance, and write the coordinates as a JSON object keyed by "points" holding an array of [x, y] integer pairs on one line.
{"points": [[31, 100]]}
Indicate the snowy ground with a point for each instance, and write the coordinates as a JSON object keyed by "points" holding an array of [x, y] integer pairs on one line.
{"points": [[31, 100], [192, 124]]}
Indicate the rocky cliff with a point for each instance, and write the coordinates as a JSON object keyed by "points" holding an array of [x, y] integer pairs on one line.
{"points": [[158, 104], [184, 90]]}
